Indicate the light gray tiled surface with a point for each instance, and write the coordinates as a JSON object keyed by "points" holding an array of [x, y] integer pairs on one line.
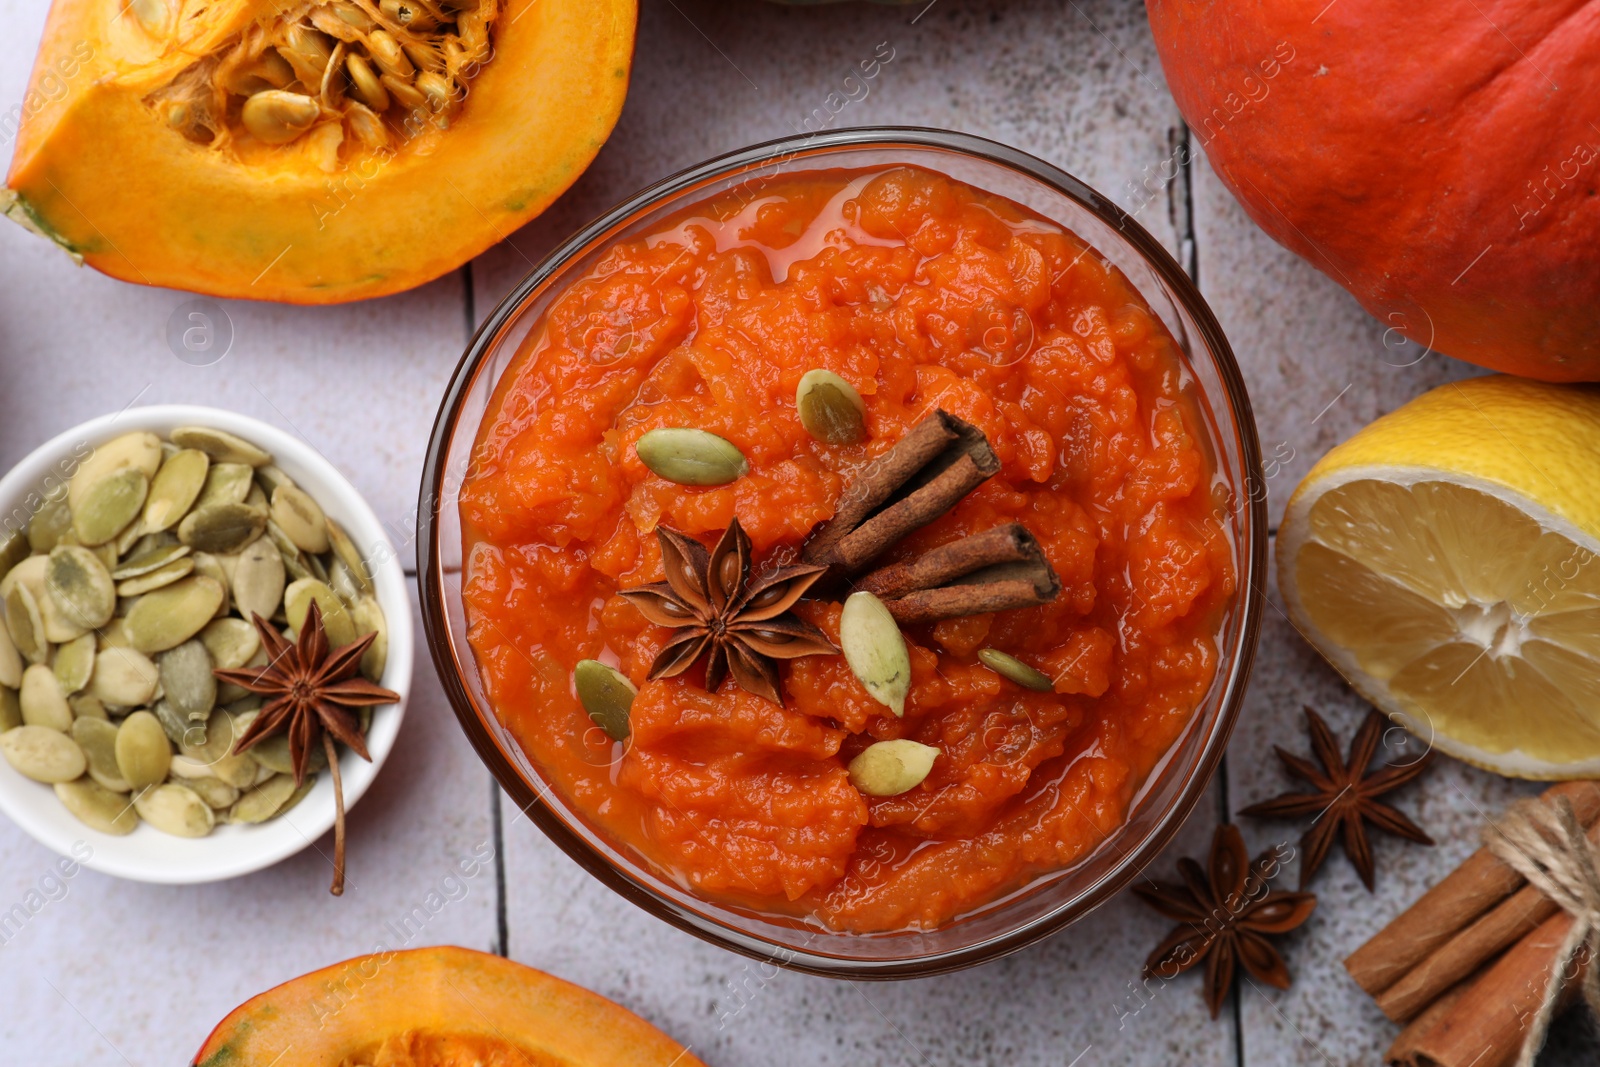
{"points": [[120, 973]]}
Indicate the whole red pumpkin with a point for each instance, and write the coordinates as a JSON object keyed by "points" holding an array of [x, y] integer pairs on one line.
{"points": [[1438, 160]]}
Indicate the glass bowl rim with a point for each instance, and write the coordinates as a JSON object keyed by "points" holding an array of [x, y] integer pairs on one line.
{"points": [[1250, 594]]}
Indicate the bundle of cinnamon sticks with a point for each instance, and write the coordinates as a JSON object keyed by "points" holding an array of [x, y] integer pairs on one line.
{"points": [[1466, 967]]}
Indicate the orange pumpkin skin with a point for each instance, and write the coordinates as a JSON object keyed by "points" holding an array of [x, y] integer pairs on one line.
{"points": [[333, 1015], [96, 169], [1440, 161]]}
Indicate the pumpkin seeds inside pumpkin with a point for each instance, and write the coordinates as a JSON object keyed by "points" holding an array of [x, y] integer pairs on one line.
{"points": [[74, 663], [98, 739], [42, 701], [830, 408], [607, 695], [81, 586], [144, 755], [43, 754], [889, 768], [97, 807], [170, 616], [221, 446], [109, 505], [175, 488], [175, 810], [688, 456], [875, 650], [222, 527]]}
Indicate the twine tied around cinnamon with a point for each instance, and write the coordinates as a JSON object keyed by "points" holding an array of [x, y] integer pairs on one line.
{"points": [[1545, 843]]}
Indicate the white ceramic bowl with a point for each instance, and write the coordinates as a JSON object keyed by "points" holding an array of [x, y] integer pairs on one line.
{"points": [[147, 854]]}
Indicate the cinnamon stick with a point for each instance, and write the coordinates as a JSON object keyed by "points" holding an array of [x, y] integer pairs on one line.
{"points": [[939, 461], [1464, 953], [1402, 1053], [1486, 1025], [1472, 889], [1033, 585], [1011, 543]]}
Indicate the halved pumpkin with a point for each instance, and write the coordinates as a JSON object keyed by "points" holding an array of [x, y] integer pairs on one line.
{"points": [[310, 151], [435, 1007]]}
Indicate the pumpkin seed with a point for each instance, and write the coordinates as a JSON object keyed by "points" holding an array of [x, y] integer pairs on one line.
{"points": [[175, 810], [10, 709], [10, 658], [410, 15], [404, 93], [109, 505], [336, 621], [444, 99], [97, 807], [24, 625], [227, 483], [1013, 669], [14, 548], [231, 642], [222, 527], [43, 703], [179, 730], [114, 634], [258, 579], [296, 797], [210, 566], [386, 52], [691, 457], [307, 51], [875, 650], [238, 771], [300, 518], [365, 84], [606, 694], [270, 477], [147, 559], [74, 664], [98, 739], [156, 579], [262, 802], [50, 523], [367, 126], [144, 755], [889, 768], [175, 488], [187, 680], [29, 572], [43, 754], [189, 767], [123, 678], [221, 446], [139, 451], [81, 586], [170, 616], [86, 706], [830, 408], [273, 754], [347, 553], [369, 618], [217, 794], [230, 694], [340, 581]]}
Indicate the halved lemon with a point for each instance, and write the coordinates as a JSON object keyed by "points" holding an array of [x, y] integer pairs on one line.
{"points": [[1446, 560]]}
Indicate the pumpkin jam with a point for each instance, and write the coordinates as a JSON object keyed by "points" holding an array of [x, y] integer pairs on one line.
{"points": [[923, 293]]}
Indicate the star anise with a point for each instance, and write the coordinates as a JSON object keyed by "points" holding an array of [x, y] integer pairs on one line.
{"points": [[1226, 915], [311, 696], [739, 622], [1345, 800]]}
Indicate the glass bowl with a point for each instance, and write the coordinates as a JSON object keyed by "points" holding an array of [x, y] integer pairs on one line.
{"points": [[1047, 903]]}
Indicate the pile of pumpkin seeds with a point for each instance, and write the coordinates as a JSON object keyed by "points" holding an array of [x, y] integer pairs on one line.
{"points": [[129, 585]]}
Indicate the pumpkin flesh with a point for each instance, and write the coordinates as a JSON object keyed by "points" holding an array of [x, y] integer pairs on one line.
{"points": [[132, 162], [435, 1007]]}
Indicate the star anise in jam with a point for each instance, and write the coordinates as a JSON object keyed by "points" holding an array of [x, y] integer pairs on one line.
{"points": [[1344, 798], [717, 609], [1226, 915], [312, 695]]}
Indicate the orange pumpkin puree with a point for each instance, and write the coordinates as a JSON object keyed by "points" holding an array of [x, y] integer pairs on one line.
{"points": [[922, 292]]}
